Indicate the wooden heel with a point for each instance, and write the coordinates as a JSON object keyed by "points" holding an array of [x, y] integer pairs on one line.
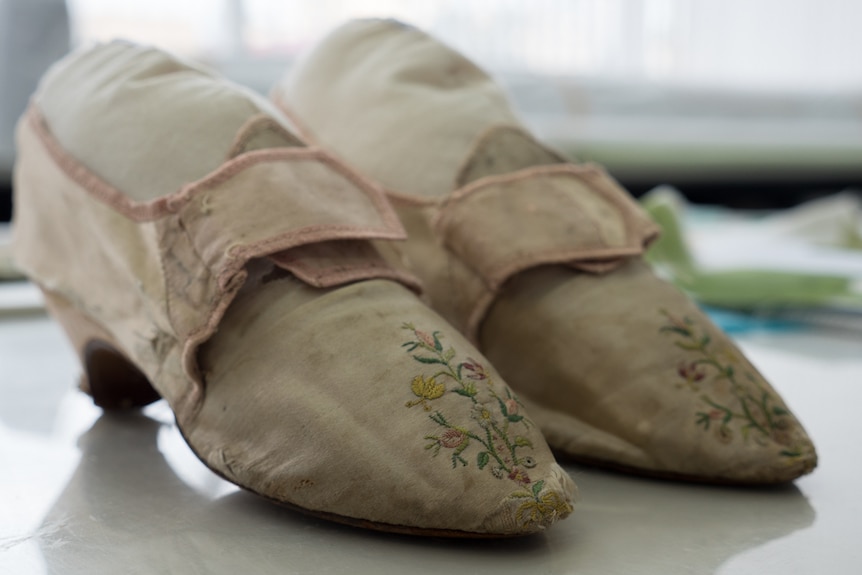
{"points": [[110, 377]]}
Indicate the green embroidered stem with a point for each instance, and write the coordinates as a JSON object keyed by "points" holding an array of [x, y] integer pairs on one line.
{"points": [[751, 421], [728, 413], [493, 451], [502, 435]]}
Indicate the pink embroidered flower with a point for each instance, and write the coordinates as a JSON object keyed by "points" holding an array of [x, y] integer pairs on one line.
{"points": [[511, 406], [520, 476], [424, 338], [452, 438], [691, 371], [476, 369]]}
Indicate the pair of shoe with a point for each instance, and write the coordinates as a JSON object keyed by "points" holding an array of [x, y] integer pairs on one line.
{"points": [[195, 248]]}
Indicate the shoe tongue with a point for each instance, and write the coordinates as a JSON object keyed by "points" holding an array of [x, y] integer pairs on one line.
{"points": [[502, 150], [261, 132]]}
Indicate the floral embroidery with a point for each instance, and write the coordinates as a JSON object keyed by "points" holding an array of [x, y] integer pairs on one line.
{"points": [[496, 417], [538, 505], [736, 400], [425, 389]]}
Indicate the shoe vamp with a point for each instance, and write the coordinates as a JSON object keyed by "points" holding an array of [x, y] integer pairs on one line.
{"points": [[322, 405], [645, 375]]}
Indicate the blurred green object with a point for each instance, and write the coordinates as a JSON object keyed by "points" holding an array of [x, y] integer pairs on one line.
{"points": [[746, 289]]}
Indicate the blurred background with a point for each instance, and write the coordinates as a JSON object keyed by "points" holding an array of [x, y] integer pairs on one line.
{"points": [[748, 103]]}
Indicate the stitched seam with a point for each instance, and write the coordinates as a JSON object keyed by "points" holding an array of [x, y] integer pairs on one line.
{"points": [[350, 273], [168, 296], [315, 235], [309, 270]]}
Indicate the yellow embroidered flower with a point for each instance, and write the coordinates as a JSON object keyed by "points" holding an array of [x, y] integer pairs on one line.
{"points": [[425, 390], [551, 505]]}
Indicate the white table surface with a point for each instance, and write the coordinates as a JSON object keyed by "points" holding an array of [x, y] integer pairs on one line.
{"points": [[87, 492]]}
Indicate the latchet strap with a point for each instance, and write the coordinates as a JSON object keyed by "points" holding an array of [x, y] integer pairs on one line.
{"points": [[265, 203], [573, 215], [291, 204]]}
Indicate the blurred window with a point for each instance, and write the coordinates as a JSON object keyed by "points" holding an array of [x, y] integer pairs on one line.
{"points": [[779, 45]]}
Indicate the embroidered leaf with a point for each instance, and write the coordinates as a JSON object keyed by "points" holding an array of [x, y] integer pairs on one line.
{"points": [[438, 418], [515, 418], [777, 410], [433, 445], [788, 453], [537, 487], [676, 329], [523, 442], [703, 419], [423, 359], [468, 391], [704, 341], [503, 409], [450, 353], [437, 345], [482, 459]]}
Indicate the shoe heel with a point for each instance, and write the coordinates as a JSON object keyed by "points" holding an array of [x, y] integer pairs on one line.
{"points": [[110, 378]]}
